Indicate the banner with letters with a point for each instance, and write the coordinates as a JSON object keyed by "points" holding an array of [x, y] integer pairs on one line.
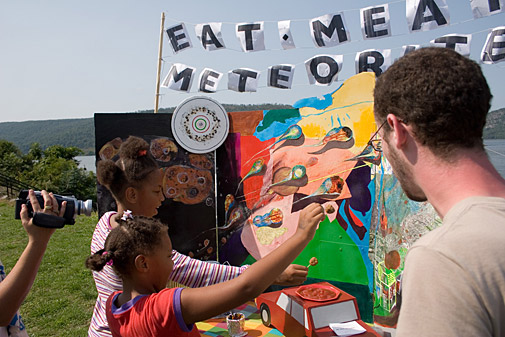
{"points": [[328, 30]]}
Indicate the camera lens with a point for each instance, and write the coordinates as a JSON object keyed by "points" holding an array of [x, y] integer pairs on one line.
{"points": [[84, 207]]}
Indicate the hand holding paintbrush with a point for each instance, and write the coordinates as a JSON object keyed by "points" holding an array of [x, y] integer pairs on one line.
{"points": [[313, 261]]}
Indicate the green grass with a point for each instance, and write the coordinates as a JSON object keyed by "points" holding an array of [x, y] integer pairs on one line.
{"points": [[61, 300]]}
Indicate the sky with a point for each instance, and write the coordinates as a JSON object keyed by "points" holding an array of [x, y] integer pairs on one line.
{"points": [[70, 59]]}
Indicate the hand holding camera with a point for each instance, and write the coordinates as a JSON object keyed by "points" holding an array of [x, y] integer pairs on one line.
{"points": [[47, 209], [16, 285]]}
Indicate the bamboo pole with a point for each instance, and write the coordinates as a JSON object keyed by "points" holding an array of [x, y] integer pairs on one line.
{"points": [[160, 48]]}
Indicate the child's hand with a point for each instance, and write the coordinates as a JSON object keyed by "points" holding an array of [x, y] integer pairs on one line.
{"points": [[293, 275], [310, 217]]}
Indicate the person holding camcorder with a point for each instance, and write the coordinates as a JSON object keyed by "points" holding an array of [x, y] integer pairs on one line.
{"points": [[74, 207], [15, 286]]}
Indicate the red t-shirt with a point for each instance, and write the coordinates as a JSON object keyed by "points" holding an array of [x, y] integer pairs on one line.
{"points": [[157, 314]]}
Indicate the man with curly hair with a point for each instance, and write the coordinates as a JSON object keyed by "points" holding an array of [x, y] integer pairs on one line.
{"points": [[432, 106]]}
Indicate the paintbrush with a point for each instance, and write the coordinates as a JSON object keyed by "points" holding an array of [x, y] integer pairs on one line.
{"points": [[313, 261]]}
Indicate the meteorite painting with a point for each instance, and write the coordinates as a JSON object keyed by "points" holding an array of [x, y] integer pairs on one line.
{"points": [[189, 208], [276, 162]]}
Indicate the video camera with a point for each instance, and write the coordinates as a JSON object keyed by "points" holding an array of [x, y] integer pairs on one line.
{"points": [[74, 207]]}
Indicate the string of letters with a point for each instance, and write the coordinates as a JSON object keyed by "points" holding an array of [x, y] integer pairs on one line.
{"points": [[329, 30]]}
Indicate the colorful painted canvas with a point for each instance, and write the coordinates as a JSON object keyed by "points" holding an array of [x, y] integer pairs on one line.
{"points": [[398, 223], [238, 203], [276, 162]]}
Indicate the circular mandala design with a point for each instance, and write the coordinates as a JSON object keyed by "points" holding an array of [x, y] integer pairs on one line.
{"points": [[200, 124]]}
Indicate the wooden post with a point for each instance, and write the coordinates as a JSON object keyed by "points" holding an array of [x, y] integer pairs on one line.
{"points": [[157, 96]]}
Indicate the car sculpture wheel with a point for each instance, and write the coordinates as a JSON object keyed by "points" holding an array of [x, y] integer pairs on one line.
{"points": [[265, 315]]}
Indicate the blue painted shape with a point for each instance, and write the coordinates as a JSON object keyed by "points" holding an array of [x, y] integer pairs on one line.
{"points": [[316, 102]]}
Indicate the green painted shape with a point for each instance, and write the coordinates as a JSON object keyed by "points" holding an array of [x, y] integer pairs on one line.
{"points": [[249, 260], [339, 257], [380, 311], [280, 115]]}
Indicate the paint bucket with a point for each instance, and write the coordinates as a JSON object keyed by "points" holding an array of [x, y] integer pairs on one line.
{"points": [[235, 323]]}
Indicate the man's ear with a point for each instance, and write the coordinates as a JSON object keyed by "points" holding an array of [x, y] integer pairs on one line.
{"points": [[131, 195], [399, 132], [141, 263]]}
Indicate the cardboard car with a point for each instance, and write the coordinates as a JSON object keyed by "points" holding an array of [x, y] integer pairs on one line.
{"points": [[297, 316]]}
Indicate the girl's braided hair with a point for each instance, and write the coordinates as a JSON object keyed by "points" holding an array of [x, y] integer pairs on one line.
{"points": [[135, 163], [137, 235]]}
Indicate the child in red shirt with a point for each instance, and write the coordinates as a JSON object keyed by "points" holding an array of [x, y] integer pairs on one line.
{"points": [[140, 251]]}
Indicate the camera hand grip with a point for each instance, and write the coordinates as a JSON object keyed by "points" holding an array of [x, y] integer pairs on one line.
{"points": [[47, 220]]}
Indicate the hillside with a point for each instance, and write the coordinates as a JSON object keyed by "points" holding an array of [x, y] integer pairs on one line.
{"points": [[495, 125], [81, 132], [66, 132]]}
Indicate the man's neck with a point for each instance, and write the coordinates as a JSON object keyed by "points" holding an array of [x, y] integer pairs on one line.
{"points": [[447, 183]]}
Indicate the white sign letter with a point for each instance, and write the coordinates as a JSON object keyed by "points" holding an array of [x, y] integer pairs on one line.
{"points": [[481, 8], [459, 43], [375, 22], [376, 61], [243, 80], [494, 48], [209, 80], [426, 14], [329, 30], [179, 38], [179, 77], [209, 35], [324, 69], [285, 34], [251, 36], [280, 76]]}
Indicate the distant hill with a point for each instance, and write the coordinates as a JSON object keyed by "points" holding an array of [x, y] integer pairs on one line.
{"points": [[66, 132], [235, 107], [495, 125], [81, 132]]}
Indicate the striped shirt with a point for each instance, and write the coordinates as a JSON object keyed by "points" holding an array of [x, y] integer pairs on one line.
{"points": [[187, 271]]}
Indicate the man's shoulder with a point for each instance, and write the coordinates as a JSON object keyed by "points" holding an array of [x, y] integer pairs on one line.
{"points": [[478, 202], [467, 225], [480, 213]]}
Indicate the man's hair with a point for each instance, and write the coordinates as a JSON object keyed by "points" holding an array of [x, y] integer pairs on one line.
{"points": [[441, 94]]}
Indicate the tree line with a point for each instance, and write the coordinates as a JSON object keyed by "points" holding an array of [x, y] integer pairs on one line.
{"points": [[42, 153], [53, 169], [80, 133]]}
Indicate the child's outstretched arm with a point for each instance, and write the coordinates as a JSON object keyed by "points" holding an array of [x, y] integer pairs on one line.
{"points": [[202, 303], [15, 287]]}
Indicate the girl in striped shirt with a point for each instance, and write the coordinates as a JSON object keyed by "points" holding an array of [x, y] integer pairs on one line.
{"points": [[135, 182]]}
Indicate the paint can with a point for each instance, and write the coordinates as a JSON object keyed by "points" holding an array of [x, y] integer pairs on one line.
{"points": [[235, 323]]}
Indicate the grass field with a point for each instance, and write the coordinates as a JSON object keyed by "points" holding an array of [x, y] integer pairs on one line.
{"points": [[63, 295]]}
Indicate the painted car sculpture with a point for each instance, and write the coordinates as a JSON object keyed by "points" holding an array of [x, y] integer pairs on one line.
{"points": [[308, 310]]}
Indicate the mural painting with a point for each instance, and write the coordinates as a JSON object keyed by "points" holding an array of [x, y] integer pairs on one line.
{"points": [[276, 162], [237, 203], [398, 224]]}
